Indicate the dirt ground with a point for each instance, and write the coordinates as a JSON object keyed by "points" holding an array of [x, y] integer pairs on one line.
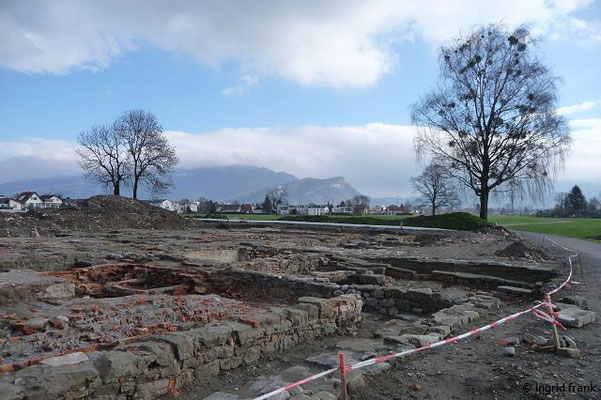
{"points": [[477, 368]]}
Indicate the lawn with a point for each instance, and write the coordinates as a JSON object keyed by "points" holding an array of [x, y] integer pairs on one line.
{"points": [[579, 228]]}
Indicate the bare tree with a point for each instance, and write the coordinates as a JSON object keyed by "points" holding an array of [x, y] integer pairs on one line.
{"points": [[359, 203], [492, 116], [277, 196], [435, 185], [151, 157], [103, 157]]}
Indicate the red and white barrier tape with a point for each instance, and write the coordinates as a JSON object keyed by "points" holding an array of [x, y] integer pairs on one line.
{"points": [[547, 316], [444, 341]]}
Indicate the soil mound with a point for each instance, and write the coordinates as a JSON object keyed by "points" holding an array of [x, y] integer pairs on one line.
{"points": [[520, 250], [98, 213]]}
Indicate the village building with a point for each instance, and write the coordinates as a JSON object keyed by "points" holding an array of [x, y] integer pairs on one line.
{"points": [[51, 201], [30, 200], [8, 204]]}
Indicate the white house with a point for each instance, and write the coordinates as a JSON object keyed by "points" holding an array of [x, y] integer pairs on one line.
{"points": [[283, 209], [317, 210], [310, 209], [51, 201], [377, 209], [30, 200], [342, 210], [8, 204], [166, 204]]}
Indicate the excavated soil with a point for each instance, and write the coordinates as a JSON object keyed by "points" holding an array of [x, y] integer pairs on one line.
{"points": [[119, 269], [97, 213]]}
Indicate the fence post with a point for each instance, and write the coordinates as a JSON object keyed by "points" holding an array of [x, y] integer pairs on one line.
{"points": [[581, 268], [342, 376]]}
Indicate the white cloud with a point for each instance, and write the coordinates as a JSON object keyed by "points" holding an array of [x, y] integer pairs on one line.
{"points": [[246, 83], [375, 158], [584, 163], [335, 43], [576, 108], [378, 159], [47, 149]]}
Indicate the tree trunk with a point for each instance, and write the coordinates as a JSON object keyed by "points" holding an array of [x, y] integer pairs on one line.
{"points": [[116, 189], [433, 208], [135, 193], [484, 203]]}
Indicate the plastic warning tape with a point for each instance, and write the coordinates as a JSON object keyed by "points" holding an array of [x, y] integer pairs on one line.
{"points": [[453, 339], [534, 309]]}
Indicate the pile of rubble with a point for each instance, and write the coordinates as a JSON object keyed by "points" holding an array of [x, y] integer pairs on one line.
{"points": [[94, 214]]}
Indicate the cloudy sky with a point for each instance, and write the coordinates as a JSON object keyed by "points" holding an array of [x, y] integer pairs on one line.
{"points": [[309, 87]]}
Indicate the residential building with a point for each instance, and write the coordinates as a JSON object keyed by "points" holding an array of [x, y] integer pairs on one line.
{"points": [[342, 210], [51, 201], [310, 209], [8, 204], [283, 209], [246, 208], [162, 203], [377, 209], [30, 200], [228, 208]]}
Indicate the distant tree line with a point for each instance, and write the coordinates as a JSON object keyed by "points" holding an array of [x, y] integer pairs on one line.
{"points": [[574, 204]]}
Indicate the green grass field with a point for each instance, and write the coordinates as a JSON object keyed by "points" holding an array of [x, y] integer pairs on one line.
{"points": [[579, 228]]}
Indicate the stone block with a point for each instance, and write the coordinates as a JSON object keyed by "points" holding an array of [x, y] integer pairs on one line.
{"points": [[10, 391], [326, 308], [68, 359], [419, 295], [112, 365], [311, 309], [182, 345], [208, 369], [576, 300], [162, 351], [296, 316], [211, 335], [48, 382], [443, 330], [230, 363], [252, 355], [575, 317], [151, 390], [244, 334]]}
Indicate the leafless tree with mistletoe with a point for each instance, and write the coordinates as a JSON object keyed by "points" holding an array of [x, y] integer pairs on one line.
{"points": [[492, 117]]}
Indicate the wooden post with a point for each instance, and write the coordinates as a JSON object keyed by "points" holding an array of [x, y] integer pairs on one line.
{"points": [[555, 332], [342, 376], [557, 343]]}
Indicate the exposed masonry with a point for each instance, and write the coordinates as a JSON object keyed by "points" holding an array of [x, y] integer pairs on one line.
{"points": [[163, 363], [150, 328]]}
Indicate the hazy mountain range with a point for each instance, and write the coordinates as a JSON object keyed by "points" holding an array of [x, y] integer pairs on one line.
{"points": [[233, 183]]}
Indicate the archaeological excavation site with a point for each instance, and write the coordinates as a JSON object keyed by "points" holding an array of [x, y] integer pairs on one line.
{"points": [[97, 308]]}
